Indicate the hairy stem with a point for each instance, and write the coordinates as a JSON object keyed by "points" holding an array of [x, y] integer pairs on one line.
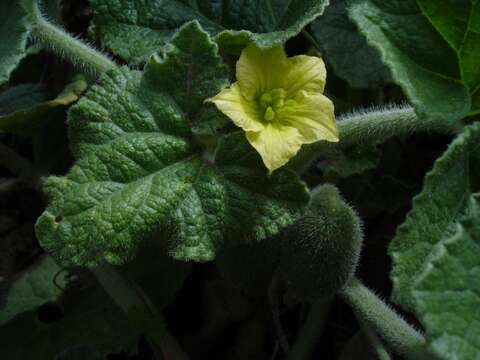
{"points": [[373, 126], [80, 54], [390, 326], [311, 331]]}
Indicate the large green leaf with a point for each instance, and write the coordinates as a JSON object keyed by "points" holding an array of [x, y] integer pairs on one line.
{"points": [[136, 29], [30, 289], [447, 292], [421, 61], [443, 200], [138, 170], [14, 31], [346, 50]]}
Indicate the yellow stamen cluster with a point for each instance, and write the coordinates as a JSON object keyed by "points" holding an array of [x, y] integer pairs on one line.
{"points": [[273, 102]]}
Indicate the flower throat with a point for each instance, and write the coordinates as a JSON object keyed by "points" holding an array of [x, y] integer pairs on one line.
{"points": [[273, 102]]}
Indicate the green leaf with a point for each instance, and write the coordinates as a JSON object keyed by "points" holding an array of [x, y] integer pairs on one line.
{"points": [[346, 50], [90, 318], [22, 97], [447, 292], [432, 220], [136, 29], [14, 31], [30, 289], [420, 59], [26, 107], [138, 172], [458, 21]]}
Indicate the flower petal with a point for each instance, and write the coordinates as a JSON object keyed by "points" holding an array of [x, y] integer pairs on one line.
{"points": [[276, 144], [243, 113], [308, 73], [261, 70], [313, 117]]}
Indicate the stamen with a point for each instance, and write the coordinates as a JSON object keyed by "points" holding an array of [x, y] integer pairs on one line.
{"points": [[269, 114]]}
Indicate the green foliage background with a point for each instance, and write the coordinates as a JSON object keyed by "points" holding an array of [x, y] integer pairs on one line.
{"points": [[133, 168]]}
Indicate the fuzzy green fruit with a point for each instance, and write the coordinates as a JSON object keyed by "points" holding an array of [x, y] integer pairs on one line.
{"points": [[320, 253]]}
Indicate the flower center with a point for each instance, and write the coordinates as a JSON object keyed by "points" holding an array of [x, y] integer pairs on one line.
{"points": [[273, 102]]}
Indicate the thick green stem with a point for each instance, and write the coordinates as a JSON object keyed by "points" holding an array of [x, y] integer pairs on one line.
{"points": [[81, 55], [390, 326], [311, 331], [373, 126]]}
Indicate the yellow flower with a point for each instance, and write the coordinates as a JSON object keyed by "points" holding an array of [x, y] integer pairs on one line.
{"points": [[278, 101]]}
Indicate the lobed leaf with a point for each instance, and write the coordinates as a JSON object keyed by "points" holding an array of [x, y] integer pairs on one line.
{"points": [[136, 29], [138, 171], [436, 210]]}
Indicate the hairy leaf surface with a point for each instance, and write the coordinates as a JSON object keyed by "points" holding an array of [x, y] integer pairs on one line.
{"points": [[432, 220], [136, 29], [447, 292], [435, 79], [138, 170]]}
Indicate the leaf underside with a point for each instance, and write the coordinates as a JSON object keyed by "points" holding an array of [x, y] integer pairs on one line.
{"points": [[447, 292], [436, 210]]}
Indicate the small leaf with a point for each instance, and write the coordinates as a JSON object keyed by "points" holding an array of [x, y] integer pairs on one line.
{"points": [[346, 50], [432, 220], [24, 108], [30, 289], [420, 60], [136, 29], [447, 292], [138, 172]]}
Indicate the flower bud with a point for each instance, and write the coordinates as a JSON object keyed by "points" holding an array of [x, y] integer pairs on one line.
{"points": [[320, 252]]}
